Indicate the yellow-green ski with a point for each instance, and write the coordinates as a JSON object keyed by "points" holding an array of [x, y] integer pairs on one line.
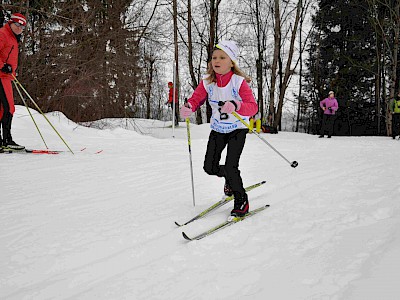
{"points": [[219, 204], [225, 224]]}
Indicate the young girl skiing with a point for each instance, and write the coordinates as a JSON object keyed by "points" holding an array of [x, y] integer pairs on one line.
{"points": [[227, 90]]}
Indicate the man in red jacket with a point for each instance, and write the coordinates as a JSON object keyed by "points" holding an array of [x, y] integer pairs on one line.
{"points": [[10, 35], [171, 99]]}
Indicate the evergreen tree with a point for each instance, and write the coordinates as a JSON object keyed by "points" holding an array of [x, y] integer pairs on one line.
{"points": [[342, 59], [82, 58]]}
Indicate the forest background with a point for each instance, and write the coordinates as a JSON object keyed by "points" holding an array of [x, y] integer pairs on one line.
{"points": [[97, 59]]}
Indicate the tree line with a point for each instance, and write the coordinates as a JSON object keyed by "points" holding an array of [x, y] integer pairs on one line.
{"points": [[97, 59], [354, 51]]}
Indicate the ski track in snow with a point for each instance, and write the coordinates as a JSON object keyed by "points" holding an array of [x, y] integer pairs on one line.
{"points": [[101, 226]]}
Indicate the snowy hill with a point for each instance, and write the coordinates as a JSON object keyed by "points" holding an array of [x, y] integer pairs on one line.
{"points": [[101, 226]]}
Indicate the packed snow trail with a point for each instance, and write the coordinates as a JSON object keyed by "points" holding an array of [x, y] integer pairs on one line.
{"points": [[102, 226]]}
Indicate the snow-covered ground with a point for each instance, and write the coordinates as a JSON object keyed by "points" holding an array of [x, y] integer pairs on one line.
{"points": [[101, 226]]}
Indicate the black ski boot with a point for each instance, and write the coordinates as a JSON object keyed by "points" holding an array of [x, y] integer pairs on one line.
{"points": [[241, 206], [13, 145], [8, 142]]}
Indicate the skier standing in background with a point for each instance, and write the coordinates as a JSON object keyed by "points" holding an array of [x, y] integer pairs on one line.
{"points": [[394, 108], [329, 106]]}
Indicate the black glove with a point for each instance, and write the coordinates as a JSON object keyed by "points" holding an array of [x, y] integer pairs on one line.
{"points": [[6, 69], [330, 109]]}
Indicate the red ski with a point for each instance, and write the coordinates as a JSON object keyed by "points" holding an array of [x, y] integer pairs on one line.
{"points": [[46, 151]]}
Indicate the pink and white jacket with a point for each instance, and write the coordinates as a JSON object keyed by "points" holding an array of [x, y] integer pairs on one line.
{"points": [[227, 88]]}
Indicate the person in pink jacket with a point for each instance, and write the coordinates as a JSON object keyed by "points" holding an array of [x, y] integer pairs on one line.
{"points": [[226, 88], [329, 106]]}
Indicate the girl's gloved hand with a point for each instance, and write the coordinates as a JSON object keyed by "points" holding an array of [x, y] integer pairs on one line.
{"points": [[230, 106], [186, 111]]}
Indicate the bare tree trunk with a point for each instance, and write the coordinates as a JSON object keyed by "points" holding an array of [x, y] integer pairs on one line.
{"points": [[384, 92], [396, 23], [378, 10], [149, 86], [300, 72], [259, 63], [396, 27], [274, 67], [176, 56], [288, 70], [213, 20], [213, 34], [190, 46], [378, 81], [190, 57]]}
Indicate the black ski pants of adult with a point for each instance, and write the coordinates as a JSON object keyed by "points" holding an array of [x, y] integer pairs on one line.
{"points": [[327, 124], [230, 171], [6, 119], [176, 112], [395, 124]]}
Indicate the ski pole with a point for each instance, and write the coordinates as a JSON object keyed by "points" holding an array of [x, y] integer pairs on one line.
{"points": [[293, 164], [26, 105], [38, 108], [190, 157]]}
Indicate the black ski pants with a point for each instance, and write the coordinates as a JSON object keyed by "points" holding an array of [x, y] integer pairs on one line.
{"points": [[327, 124], [230, 171], [395, 124], [176, 112], [6, 119]]}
